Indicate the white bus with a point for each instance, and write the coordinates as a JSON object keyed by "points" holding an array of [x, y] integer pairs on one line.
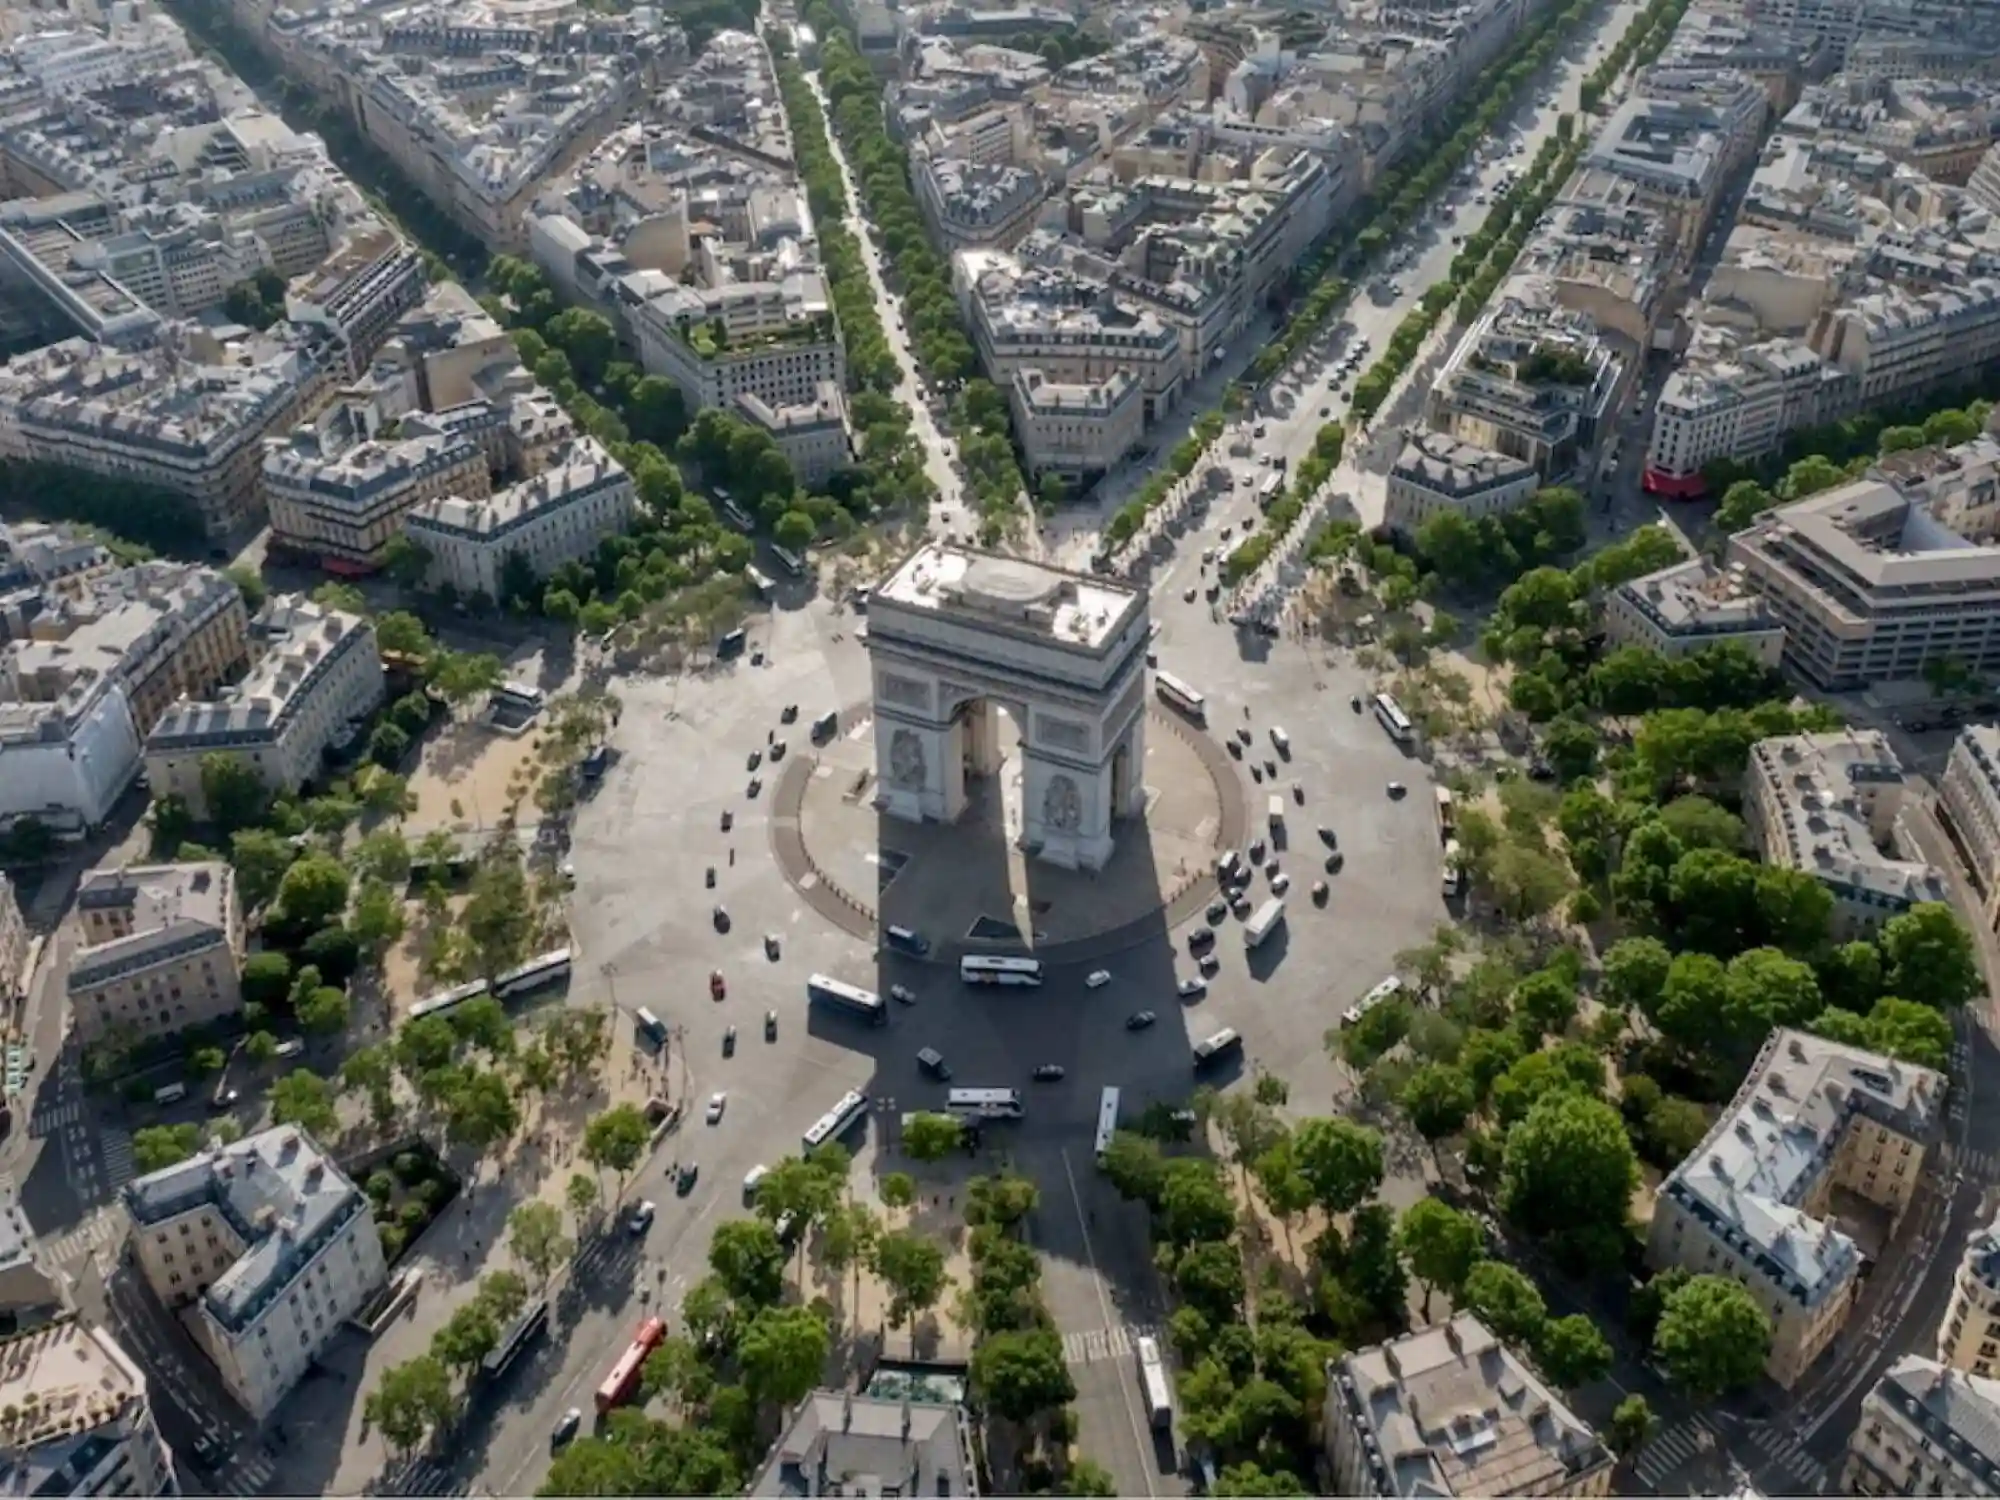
{"points": [[850, 997], [1261, 926], [1393, 719], [1153, 1376], [537, 973], [987, 968], [1178, 694], [1268, 492], [1218, 1046], [444, 1000], [1107, 1122], [790, 561], [988, 1104], [837, 1121], [1446, 825], [1454, 874], [759, 584]]}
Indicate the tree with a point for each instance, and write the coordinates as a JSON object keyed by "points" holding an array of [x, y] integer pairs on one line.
{"points": [[1209, 1278], [1568, 1172], [1020, 1374], [378, 920], [260, 858], [323, 1010], [1572, 1352], [1526, 882], [614, 1140], [232, 792], [1713, 1336], [1441, 1245], [1438, 1099], [313, 892], [794, 530], [912, 1267], [267, 979], [480, 1110], [1002, 1199], [464, 1339], [1928, 956], [535, 1235], [1087, 1477], [1341, 1160], [1505, 1301], [581, 1194], [783, 1354], [931, 1137], [1631, 1426], [158, 1146], [499, 917], [303, 1099], [1547, 1001], [1194, 1203], [1635, 973], [750, 1261], [636, 1455], [409, 1400]]}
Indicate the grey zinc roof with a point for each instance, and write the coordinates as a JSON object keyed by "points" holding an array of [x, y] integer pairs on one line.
{"points": [[837, 1444]]}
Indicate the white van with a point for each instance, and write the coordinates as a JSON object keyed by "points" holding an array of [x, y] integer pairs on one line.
{"points": [[1277, 812], [754, 1179], [172, 1093]]}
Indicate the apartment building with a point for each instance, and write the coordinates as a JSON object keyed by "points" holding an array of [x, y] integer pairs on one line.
{"points": [[1969, 802], [67, 762], [1436, 473], [1754, 1201], [161, 951], [1690, 606], [970, 204], [1895, 344], [163, 631], [1826, 804], [777, 341], [1738, 408], [1871, 579], [187, 414], [1449, 1410], [1075, 430], [31, 1290], [911, 1446], [320, 676], [75, 1417], [814, 437], [1075, 331], [338, 490], [1531, 380], [559, 515], [13, 942], [1925, 1429], [359, 293], [273, 1246], [1969, 1331]]}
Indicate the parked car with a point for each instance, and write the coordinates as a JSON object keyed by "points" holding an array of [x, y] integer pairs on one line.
{"points": [[1188, 989], [1049, 1073], [1140, 1020]]}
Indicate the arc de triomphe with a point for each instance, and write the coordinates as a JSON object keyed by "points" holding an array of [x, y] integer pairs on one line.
{"points": [[953, 634]]}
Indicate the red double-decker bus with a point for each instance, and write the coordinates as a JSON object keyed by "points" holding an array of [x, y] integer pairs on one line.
{"points": [[623, 1381]]}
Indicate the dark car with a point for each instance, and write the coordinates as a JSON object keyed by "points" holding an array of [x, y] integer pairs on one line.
{"points": [[1235, 750], [1140, 1020], [1334, 862], [1329, 838], [721, 918], [770, 1025], [1354, 702], [1319, 893], [1049, 1073], [790, 714], [1201, 937], [756, 760], [684, 1184], [771, 946], [728, 820], [1217, 910], [1256, 851], [729, 1042]]}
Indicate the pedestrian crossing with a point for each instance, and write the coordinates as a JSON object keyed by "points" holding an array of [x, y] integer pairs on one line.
{"points": [[50, 1118], [104, 1227], [1980, 1166], [247, 1471], [427, 1476], [1698, 1437], [114, 1149], [1087, 1346]]}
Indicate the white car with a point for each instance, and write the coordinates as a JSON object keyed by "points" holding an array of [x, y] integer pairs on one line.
{"points": [[716, 1104], [642, 1217], [1098, 979], [1281, 741]]}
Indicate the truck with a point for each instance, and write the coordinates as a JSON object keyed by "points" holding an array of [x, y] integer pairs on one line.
{"points": [[1270, 916], [1276, 811]]}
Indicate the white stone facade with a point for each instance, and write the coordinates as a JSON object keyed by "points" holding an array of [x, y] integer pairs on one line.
{"points": [[954, 634]]}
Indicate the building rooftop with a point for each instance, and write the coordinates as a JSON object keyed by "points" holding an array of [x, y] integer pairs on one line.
{"points": [[1696, 598], [171, 910], [1776, 1142], [301, 639], [1449, 466], [580, 469], [841, 1444], [1957, 1411], [1816, 782], [1072, 611], [1452, 1411], [283, 1197], [59, 1384]]}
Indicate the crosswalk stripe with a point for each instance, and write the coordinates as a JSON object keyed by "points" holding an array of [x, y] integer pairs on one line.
{"points": [[114, 1146], [1084, 1346], [1671, 1449]]}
